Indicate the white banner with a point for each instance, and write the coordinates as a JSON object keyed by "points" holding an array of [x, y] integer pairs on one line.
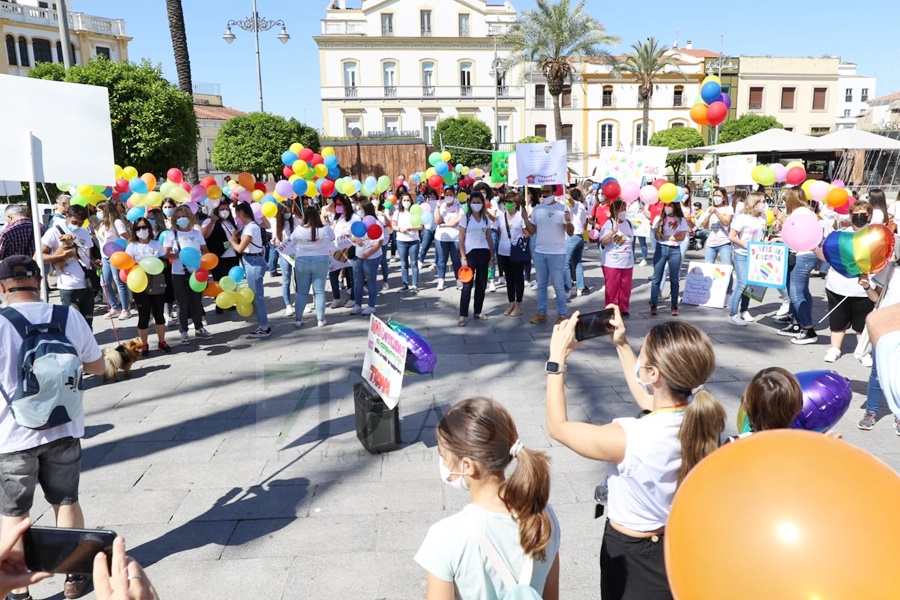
{"points": [[706, 284], [385, 361], [541, 164], [736, 170], [644, 162]]}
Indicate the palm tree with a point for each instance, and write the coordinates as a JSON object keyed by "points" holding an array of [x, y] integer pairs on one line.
{"points": [[557, 36], [645, 64], [182, 59]]}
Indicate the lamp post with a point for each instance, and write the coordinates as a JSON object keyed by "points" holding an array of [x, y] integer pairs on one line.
{"points": [[497, 71], [255, 23]]}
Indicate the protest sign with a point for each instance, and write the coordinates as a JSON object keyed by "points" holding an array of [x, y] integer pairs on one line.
{"points": [[767, 264], [736, 170], [385, 361], [706, 284], [341, 257], [542, 164]]}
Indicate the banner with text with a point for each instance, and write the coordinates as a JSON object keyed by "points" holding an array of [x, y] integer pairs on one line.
{"points": [[706, 284], [767, 264], [385, 361], [542, 164]]}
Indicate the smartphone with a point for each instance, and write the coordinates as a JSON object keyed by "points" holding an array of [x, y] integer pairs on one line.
{"points": [[62, 550], [594, 324]]}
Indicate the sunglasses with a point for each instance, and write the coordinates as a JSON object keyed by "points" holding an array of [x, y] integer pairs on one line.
{"points": [[142, 228]]}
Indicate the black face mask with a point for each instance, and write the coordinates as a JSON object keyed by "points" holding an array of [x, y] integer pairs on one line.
{"points": [[860, 219]]}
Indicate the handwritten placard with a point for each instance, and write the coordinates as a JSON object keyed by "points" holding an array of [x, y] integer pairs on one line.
{"points": [[767, 264], [385, 361], [706, 284]]}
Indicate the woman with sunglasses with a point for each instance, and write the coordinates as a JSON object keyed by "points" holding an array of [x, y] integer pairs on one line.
{"points": [[152, 301]]}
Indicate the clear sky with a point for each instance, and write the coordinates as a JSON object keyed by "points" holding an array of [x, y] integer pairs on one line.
{"points": [[859, 32]]}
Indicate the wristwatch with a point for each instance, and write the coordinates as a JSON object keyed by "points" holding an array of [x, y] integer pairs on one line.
{"points": [[554, 368]]}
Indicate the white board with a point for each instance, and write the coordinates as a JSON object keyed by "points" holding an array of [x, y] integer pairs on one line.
{"points": [[542, 164], [10, 188], [706, 284], [71, 127], [736, 170]]}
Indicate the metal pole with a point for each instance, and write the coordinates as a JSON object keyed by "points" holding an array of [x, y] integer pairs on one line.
{"points": [[258, 64], [716, 128], [35, 215], [65, 44]]}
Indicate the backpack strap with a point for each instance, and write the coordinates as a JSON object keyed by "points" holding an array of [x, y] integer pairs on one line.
{"points": [[18, 321], [60, 317], [493, 556]]}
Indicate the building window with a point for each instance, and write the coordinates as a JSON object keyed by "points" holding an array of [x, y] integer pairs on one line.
{"points": [[678, 98], [565, 99], [756, 98], [607, 99], [606, 135], [11, 51], [788, 128], [350, 79], [503, 130], [787, 98], [819, 98], [540, 131], [387, 24], [390, 79], [59, 53], [502, 88], [846, 113], [351, 123], [726, 89], [819, 130], [463, 25], [43, 51], [425, 22], [392, 125], [848, 95], [639, 134], [864, 97], [540, 97], [677, 124], [428, 78], [567, 135], [23, 52], [429, 124], [103, 51], [465, 79]]}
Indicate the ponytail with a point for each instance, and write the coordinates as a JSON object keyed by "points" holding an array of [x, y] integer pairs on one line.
{"points": [[526, 493], [704, 421]]}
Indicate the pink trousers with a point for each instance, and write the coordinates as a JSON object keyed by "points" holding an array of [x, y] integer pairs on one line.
{"points": [[618, 286]]}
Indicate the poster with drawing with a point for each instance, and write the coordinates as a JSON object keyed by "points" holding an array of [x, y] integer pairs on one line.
{"points": [[385, 361], [542, 164], [767, 264], [706, 284]]}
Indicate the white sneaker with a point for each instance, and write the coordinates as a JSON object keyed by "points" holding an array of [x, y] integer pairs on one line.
{"points": [[413, 290], [299, 324], [603, 290], [355, 310], [337, 303], [492, 287], [737, 320], [172, 322], [385, 286], [747, 316], [643, 263], [322, 323], [459, 284], [288, 311], [184, 338], [369, 310], [865, 360], [350, 303], [832, 354], [784, 309], [533, 285], [440, 285], [421, 265], [502, 281], [309, 309]]}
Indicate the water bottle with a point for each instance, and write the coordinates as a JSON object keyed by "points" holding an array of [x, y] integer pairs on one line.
{"points": [[490, 273]]}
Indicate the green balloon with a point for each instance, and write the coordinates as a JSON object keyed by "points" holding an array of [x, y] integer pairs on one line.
{"points": [[415, 220], [434, 158], [152, 265], [197, 286]]}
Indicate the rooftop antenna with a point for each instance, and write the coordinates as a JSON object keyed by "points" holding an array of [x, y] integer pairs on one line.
{"points": [[675, 44]]}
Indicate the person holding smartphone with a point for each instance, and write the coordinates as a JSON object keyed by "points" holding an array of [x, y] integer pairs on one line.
{"points": [[648, 456]]}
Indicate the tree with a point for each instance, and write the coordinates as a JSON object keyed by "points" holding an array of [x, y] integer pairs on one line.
{"points": [[678, 138], [153, 123], [464, 132], [557, 36], [255, 142], [745, 126], [645, 65], [533, 139], [182, 58]]}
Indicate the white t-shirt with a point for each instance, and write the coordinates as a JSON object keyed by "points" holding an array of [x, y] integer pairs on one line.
{"points": [[642, 486], [401, 219], [13, 437], [476, 231], [304, 246], [579, 218], [139, 250], [449, 233], [618, 254], [71, 275], [254, 232], [671, 226], [342, 225], [107, 235], [718, 233], [451, 553], [550, 220], [878, 217], [516, 228], [176, 241], [749, 229]]}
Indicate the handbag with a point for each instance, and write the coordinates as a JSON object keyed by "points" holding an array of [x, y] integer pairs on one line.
{"points": [[519, 251]]}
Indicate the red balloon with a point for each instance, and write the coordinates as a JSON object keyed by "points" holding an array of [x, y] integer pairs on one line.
{"points": [[796, 175], [374, 231], [259, 185], [208, 181], [201, 275], [175, 175], [659, 183], [716, 113], [288, 172], [185, 186], [305, 155], [436, 182], [123, 275], [327, 187], [122, 186], [612, 190], [316, 160]]}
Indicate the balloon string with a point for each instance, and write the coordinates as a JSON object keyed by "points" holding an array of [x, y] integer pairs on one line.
{"points": [[833, 309]]}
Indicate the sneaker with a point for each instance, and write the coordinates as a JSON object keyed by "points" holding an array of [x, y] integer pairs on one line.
{"points": [[202, 333], [865, 360], [785, 318], [385, 286], [337, 303], [896, 425], [125, 314], [184, 338], [459, 284], [806, 336], [298, 324], [584, 291], [560, 319], [112, 314], [309, 309], [164, 347], [643, 263], [792, 330], [573, 293], [356, 309], [492, 287], [261, 332], [652, 310], [404, 287], [538, 318], [414, 290], [369, 310], [76, 586], [145, 350], [868, 421], [533, 285], [501, 281], [626, 314], [421, 266], [603, 289], [832, 354], [288, 311], [737, 320], [350, 303], [784, 309], [440, 285], [172, 322], [322, 323], [747, 316]]}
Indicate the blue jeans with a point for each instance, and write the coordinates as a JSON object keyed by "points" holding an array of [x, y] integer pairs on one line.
{"points": [[286, 278], [723, 252], [740, 302], [310, 270], [665, 256], [798, 287], [116, 291], [271, 256], [384, 263], [873, 390], [365, 272], [255, 268], [427, 240], [408, 253], [550, 268], [447, 250], [574, 268], [531, 243], [643, 241]]}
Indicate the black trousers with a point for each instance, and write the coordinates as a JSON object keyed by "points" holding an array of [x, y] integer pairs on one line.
{"points": [[148, 305], [478, 260], [190, 303], [515, 278], [632, 568]]}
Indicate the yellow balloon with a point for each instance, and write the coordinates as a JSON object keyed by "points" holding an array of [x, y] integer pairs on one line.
{"points": [[294, 178], [464, 171], [770, 218], [96, 199], [244, 309], [462, 196], [120, 173], [155, 198], [446, 156], [213, 192], [321, 170], [226, 300], [246, 295], [668, 192], [85, 190], [178, 194], [296, 148], [311, 191], [300, 167], [277, 196], [329, 151], [257, 195], [348, 188], [269, 209], [792, 164], [711, 78], [430, 172], [137, 280], [129, 173], [805, 187], [138, 199]]}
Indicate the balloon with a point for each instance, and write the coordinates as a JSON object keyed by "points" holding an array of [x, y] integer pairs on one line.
{"points": [[296, 148], [845, 208], [709, 78], [137, 280], [201, 274], [152, 265], [228, 283], [818, 190], [725, 99], [420, 358], [110, 248], [123, 276], [612, 190], [441, 168], [770, 218], [649, 194], [743, 421], [465, 274], [246, 295], [190, 258], [436, 182], [698, 114], [780, 172], [374, 232], [138, 185], [838, 183], [121, 260], [150, 180], [836, 196], [269, 209], [129, 173], [299, 186], [320, 170], [716, 113], [135, 213], [288, 158], [328, 188], [285, 189], [246, 180], [175, 175], [384, 182], [826, 397], [658, 183], [155, 199], [434, 158], [358, 229], [853, 253], [196, 284], [257, 211], [446, 156], [630, 191], [763, 175], [213, 192], [427, 219], [594, 235], [226, 299], [244, 309], [237, 273], [802, 231], [806, 187], [668, 192], [306, 154], [329, 151], [776, 493], [680, 195], [795, 175]]}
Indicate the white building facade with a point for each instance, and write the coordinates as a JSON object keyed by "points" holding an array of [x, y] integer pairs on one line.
{"points": [[853, 94], [398, 67]]}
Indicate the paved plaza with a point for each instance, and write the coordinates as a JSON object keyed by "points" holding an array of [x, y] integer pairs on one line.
{"points": [[233, 470]]}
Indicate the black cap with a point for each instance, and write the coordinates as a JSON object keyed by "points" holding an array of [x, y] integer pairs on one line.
{"points": [[18, 266]]}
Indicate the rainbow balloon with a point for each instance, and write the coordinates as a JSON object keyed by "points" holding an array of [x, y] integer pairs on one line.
{"points": [[853, 253], [420, 358]]}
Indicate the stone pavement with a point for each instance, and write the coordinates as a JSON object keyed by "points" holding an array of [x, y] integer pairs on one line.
{"points": [[233, 470]]}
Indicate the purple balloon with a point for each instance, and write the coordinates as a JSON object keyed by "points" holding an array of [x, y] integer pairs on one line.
{"points": [[110, 248], [726, 100], [245, 196], [198, 193], [256, 207], [826, 397], [193, 206], [369, 220], [420, 358], [284, 189]]}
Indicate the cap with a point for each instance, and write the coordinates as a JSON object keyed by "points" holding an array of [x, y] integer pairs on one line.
{"points": [[18, 266]]}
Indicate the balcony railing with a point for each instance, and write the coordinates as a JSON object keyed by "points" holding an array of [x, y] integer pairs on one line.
{"points": [[464, 33], [498, 29], [426, 32], [350, 91], [343, 28], [19, 13], [465, 91], [503, 91], [540, 101], [428, 91], [387, 31], [418, 92], [390, 91], [678, 101]]}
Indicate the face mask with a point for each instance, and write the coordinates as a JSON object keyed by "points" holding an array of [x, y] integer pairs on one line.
{"points": [[224, 214], [182, 222], [476, 207], [339, 209], [669, 210], [407, 204], [510, 206], [143, 234], [100, 214], [459, 483], [645, 385], [860, 219], [168, 211], [72, 228]]}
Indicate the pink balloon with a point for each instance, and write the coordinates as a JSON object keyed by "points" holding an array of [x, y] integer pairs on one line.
{"points": [[630, 191], [818, 190], [426, 208], [844, 209], [256, 207], [594, 235], [198, 193], [245, 196], [649, 194], [193, 206], [185, 186], [780, 172], [838, 183], [802, 231]]}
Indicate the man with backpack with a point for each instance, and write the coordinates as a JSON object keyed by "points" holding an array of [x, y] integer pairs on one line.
{"points": [[46, 349]]}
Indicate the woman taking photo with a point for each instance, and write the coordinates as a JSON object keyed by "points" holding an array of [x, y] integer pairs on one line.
{"points": [[217, 230], [669, 230], [648, 456], [250, 246], [476, 251], [190, 304], [365, 265], [110, 229], [407, 236], [514, 231], [747, 227], [313, 247], [508, 520], [153, 299]]}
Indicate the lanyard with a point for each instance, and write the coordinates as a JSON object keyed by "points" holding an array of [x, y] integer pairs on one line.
{"points": [[669, 409]]}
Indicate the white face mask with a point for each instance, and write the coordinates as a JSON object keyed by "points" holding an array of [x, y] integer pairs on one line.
{"points": [[459, 483], [224, 214], [645, 385], [407, 204], [100, 214], [669, 210], [143, 234], [476, 207]]}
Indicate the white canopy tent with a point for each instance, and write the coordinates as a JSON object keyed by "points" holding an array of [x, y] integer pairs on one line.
{"points": [[857, 139], [771, 140]]}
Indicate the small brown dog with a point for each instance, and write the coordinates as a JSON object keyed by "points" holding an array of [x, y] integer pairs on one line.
{"points": [[121, 357]]}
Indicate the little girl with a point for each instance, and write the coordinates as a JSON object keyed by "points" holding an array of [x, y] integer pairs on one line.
{"points": [[772, 400], [617, 257]]}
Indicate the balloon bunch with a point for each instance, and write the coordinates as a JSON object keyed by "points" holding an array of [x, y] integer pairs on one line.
{"points": [[309, 173], [231, 290], [854, 253], [661, 190], [613, 190], [133, 274], [834, 194], [84, 194], [711, 108], [443, 172]]}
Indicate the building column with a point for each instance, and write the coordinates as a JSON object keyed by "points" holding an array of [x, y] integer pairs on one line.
{"points": [[123, 50], [30, 52]]}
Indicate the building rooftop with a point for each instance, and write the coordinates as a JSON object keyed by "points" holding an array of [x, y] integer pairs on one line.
{"points": [[885, 99], [216, 113]]}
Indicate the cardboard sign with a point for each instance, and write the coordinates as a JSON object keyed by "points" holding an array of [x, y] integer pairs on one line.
{"points": [[706, 284], [736, 170], [341, 257], [767, 264], [642, 163], [385, 361], [542, 164], [286, 250]]}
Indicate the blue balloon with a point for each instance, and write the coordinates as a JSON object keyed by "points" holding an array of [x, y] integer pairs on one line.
{"points": [[122, 242], [710, 92], [300, 186], [190, 258], [138, 186], [236, 273], [334, 173], [607, 180], [135, 212], [427, 218], [319, 183], [288, 158], [358, 229], [330, 161], [680, 195], [441, 168]]}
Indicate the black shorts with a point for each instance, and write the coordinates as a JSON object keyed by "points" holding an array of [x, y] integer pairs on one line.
{"points": [[632, 568], [852, 311], [55, 465]]}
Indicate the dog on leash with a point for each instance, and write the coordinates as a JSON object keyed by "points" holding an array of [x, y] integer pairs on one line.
{"points": [[121, 357]]}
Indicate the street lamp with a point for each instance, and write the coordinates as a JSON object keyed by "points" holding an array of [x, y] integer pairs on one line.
{"points": [[255, 23], [497, 71]]}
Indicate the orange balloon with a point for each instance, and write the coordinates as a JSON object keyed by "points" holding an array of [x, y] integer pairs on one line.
{"points": [[212, 289], [209, 261], [246, 180], [698, 114], [150, 180], [836, 197], [121, 260], [465, 274], [764, 517]]}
